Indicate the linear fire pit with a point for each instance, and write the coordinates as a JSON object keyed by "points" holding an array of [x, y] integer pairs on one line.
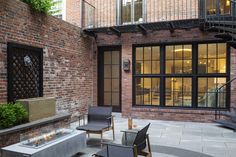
{"points": [[57, 143]]}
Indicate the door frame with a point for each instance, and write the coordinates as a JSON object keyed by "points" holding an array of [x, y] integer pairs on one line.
{"points": [[100, 82]]}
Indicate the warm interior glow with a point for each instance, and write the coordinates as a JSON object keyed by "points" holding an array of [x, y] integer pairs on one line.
{"points": [[180, 50], [227, 3]]}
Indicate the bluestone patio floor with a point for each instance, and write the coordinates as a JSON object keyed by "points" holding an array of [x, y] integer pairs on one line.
{"points": [[174, 139]]}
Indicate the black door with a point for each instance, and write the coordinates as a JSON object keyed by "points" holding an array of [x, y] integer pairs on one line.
{"points": [[109, 74]]}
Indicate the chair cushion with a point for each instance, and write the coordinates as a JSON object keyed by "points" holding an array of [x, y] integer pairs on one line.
{"points": [[96, 127]]}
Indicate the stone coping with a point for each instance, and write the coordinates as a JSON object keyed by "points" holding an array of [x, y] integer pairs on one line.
{"points": [[58, 117]]}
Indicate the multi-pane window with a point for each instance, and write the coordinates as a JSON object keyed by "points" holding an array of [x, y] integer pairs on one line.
{"points": [[132, 11], [183, 75], [212, 58], [221, 7], [179, 59], [178, 91], [148, 60], [207, 91], [147, 91]]}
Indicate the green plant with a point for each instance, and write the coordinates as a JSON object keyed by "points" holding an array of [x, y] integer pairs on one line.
{"points": [[12, 114], [43, 6]]}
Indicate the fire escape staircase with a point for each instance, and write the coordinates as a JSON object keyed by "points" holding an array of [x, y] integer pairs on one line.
{"points": [[224, 25], [225, 118]]}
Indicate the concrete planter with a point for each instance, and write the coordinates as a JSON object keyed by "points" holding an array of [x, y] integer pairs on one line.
{"points": [[39, 108]]}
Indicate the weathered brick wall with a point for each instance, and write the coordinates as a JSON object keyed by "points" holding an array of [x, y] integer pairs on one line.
{"points": [[233, 75], [68, 56], [127, 40]]}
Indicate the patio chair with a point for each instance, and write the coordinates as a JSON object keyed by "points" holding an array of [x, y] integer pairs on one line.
{"points": [[99, 120], [137, 147]]}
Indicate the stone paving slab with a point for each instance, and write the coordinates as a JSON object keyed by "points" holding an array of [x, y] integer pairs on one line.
{"points": [[175, 139]]}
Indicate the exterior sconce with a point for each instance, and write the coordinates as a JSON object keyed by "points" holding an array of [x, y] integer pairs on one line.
{"points": [[126, 65]]}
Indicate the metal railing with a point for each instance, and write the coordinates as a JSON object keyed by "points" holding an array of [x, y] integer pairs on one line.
{"points": [[108, 13], [221, 96]]}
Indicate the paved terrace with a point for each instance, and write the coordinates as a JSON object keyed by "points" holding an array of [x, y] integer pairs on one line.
{"points": [[175, 139]]}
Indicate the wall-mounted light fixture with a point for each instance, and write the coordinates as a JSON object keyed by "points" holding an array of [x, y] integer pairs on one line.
{"points": [[126, 65]]}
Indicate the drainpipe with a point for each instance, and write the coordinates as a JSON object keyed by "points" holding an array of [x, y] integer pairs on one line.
{"points": [[81, 13]]}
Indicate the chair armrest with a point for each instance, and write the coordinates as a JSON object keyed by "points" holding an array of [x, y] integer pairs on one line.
{"points": [[110, 117], [116, 145], [130, 131]]}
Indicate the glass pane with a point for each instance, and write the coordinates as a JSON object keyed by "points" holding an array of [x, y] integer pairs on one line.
{"points": [[115, 57], [211, 7], [169, 52], [115, 71], [139, 91], [187, 67], [138, 10], [139, 67], [202, 51], [115, 99], [107, 98], [169, 67], [202, 92], [155, 67], [202, 66], [139, 53], [178, 66], [147, 67], [147, 53], [178, 51], [222, 50], [187, 92], [147, 91], [156, 53], [107, 85], [211, 50], [107, 57], [222, 66], [126, 11], [212, 66], [225, 7], [168, 94], [187, 52], [115, 85], [155, 91], [107, 71]]}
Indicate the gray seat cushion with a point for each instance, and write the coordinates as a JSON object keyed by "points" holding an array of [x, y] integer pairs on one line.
{"points": [[96, 127]]}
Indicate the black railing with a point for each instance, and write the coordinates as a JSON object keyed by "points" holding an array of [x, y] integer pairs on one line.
{"points": [[109, 13], [221, 97]]}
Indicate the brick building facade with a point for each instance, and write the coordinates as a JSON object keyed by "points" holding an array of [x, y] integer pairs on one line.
{"points": [[72, 59]]}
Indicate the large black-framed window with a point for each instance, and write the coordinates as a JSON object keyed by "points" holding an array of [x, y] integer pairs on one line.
{"points": [[188, 74], [218, 7]]}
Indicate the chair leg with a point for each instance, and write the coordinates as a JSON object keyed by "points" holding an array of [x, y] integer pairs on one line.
{"points": [[113, 131], [88, 135], [101, 138], [149, 146]]}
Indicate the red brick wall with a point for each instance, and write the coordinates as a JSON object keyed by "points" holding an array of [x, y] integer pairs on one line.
{"points": [[127, 40], [68, 56]]}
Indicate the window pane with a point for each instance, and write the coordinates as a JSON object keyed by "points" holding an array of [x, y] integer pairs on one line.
{"points": [[212, 63], [202, 51], [115, 57], [222, 50], [202, 66], [107, 57], [147, 53], [147, 67], [138, 10], [107, 85], [139, 91], [168, 94], [155, 91], [187, 92], [115, 85], [178, 52], [187, 67], [225, 6], [107, 71], [115, 71], [139, 53], [178, 66], [222, 66], [155, 67], [211, 7], [156, 53], [107, 98], [187, 52], [147, 91], [115, 99], [139, 67], [126, 11], [212, 51], [169, 67], [169, 52]]}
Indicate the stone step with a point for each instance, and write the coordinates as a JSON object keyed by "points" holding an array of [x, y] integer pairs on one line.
{"points": [[227, 124], [228, 23], [227, 29]]}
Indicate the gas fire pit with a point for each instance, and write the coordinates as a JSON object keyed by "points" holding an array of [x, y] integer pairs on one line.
{"points": [[60, 142], [46, 138]]}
